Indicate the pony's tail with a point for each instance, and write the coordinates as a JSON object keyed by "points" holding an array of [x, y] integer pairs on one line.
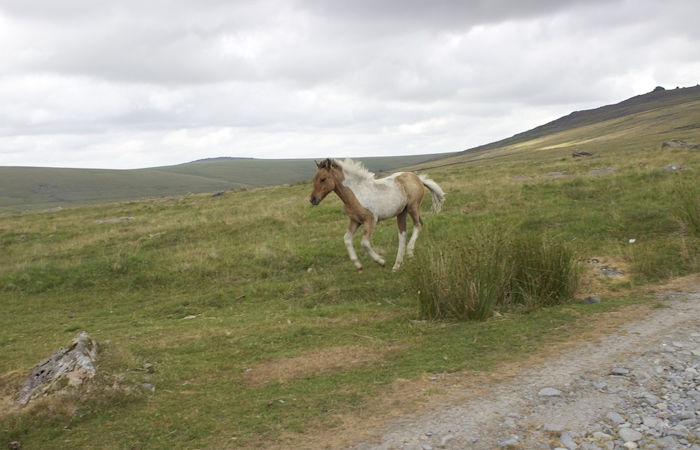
{"points": [[436, 192]]}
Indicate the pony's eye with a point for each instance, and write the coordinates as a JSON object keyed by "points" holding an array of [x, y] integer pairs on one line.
{"points": [[323, 180]]}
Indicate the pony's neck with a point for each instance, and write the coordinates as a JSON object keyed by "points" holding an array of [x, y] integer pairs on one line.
{"points": [[343, 189]]}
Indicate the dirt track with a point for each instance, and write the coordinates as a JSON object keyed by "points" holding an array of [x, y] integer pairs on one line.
{"points": [[513, 413]]}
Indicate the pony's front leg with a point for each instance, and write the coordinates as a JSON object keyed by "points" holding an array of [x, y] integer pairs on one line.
{"points": [[366, 235], [352, 227]]}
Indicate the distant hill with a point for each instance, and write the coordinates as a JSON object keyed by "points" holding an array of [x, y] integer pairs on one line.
{"points": [[641, 122], [658, 98], [25, 188]]}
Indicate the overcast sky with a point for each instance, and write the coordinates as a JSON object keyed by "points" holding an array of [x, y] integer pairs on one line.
{"points": [[134, 83]]}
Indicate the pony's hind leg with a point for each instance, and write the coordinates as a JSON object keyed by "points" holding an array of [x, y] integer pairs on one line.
{"points": [[417, 225], [352, 227], [366, 235], [401, 223]]}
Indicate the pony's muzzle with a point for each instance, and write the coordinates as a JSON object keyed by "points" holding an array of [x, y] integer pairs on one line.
{"points": [[315, 201]]}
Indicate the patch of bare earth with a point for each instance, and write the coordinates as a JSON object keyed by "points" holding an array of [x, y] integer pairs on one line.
{"points": [[314, 363], [479, 400]]}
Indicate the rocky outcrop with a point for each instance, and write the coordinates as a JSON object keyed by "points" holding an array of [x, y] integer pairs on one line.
{"points": [[675, 143], [65, 367]]}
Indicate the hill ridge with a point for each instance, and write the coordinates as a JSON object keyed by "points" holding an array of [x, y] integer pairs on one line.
{"points": [[639, 103]]}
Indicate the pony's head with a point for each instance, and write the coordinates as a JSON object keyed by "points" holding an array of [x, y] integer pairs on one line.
{"points": [[325, 180]]}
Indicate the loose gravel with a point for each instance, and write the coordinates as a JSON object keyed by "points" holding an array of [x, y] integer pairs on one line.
{"points": [[636, 388]]}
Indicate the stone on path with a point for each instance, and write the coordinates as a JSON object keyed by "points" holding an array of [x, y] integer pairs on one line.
{"points": [[629, 435], [615, 417], [567, 441], [549, 392]]}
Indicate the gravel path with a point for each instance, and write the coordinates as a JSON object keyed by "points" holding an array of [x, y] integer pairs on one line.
{"points": [[636, 388]]}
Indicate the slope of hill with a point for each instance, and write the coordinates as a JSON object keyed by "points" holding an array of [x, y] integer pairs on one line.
{"points": [[24, 188], [641, 123], [267, 172], [658, 98]]}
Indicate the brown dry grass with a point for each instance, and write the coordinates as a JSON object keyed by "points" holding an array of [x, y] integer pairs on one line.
{"points": [[593, 280], [315, 362]]}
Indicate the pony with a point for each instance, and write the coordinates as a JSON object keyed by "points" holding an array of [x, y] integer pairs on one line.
{"points": [[369, 200]]}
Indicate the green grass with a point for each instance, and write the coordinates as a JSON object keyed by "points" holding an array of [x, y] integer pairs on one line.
{"points": [[267, 279]]}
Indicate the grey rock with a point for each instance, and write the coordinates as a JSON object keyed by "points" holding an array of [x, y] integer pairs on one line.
{"points": [[678, 430], [677, 143], [606, 171], [629, 435], [509, 443], [615, 417], [549, 392], [589, 300], [652, 422], [446, 440], [667, 442], [619, 371], [588, 446], [553, 428], [674, 167], [555, 174], [567, 441], [149, 387], [116, 220], [611, 272], [75, 363]]}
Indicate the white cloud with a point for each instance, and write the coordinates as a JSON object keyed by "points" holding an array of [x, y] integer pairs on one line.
{"points": [[135, 84]]}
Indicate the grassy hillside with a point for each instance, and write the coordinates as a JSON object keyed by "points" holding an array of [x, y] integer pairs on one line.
{"points": [[25, 188], [245, 315], [632, 108]]}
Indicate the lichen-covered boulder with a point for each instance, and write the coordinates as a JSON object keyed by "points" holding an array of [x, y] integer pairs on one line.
{"points": [[65, 367]]}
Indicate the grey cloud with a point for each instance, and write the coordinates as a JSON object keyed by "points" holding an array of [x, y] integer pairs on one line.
{"points": [[297, 77]]}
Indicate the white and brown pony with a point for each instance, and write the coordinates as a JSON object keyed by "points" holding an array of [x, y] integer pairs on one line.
{"points": [[368, 200]]}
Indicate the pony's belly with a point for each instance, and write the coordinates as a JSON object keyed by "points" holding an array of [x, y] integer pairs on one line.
{"points": [[389, 213]]}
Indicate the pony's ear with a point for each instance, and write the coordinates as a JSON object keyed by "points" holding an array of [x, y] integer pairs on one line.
{"points": [[333, 164], [318, 166]]}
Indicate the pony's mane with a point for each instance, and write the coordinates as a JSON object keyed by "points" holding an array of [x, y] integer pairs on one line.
{"points": [[355, 169]]}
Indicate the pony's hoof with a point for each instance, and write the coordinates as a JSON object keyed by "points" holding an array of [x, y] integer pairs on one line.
{"points": [[358, 268], [381, 262], [395, 269]]}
